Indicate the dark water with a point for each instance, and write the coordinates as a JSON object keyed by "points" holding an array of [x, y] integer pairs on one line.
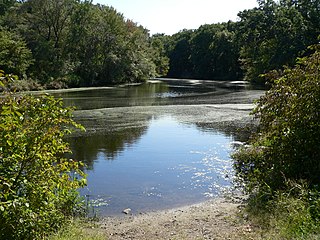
{"points": [[163, 164], [170, 92]]}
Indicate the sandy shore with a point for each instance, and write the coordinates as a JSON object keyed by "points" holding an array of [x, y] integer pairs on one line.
{"points": [[214, 219]]}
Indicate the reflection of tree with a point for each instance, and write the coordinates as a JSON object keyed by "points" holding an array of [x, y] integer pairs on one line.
{"points": [[86, 148], [136, 95], [239, 132]]}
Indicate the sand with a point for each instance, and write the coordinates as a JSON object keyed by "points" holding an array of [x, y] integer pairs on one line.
{"points": [[214, 219]]}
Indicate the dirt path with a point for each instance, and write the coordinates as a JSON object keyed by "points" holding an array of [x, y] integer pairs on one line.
{"points": [[215, 219]]}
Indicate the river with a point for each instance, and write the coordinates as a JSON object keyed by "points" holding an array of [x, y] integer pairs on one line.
{"points": [[158, 145]]}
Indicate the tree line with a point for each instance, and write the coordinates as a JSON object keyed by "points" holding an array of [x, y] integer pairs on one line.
{"points": [[71, 43], [75, 43], [265, 38]]}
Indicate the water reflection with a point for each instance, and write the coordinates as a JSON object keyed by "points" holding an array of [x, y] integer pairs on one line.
{"points": [[148, 157], [151, 93], [86, 148], [143, 95], [166, 165]]}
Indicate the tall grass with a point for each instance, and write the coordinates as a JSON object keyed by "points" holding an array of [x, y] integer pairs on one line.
{"points": [[79, 230], [292, 214]]}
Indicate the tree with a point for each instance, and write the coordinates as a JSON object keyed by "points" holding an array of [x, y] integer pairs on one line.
{"points": [[37, 184], [214, 52], [5, 5], [159, 54], [44, 24], [200, 54], [140, 54], [179, 53], [15, 56], [109, 48], [275, 34], [286, 146]]}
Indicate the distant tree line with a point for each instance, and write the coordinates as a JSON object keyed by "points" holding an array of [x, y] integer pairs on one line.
{"points": [[265, 38], [71, 43]]}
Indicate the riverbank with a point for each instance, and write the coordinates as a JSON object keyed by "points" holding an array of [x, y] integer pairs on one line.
{"points": [[214, 219]]}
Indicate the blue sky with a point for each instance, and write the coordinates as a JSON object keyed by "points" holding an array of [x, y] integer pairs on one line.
{"points": [[171, 16]]}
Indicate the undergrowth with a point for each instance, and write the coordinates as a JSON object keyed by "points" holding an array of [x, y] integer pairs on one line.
{"points": [[289, 215], [79, 229]]}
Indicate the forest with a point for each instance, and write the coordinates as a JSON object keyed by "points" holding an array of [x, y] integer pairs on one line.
{"points": [[70, 43], [73, 43], [53, 44], [265, 38]]}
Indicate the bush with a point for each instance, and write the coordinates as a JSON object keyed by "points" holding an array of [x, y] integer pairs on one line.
{"points": [[38, 186], [287, 144], [280, 168]]}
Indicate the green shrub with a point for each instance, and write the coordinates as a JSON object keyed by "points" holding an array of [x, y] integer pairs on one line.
{"points": [[287, 144], [289, 215], [38, 186], [280, 168]]}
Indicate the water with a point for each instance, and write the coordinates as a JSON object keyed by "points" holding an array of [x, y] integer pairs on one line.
{"points": [[164, 162], [171, 164]]}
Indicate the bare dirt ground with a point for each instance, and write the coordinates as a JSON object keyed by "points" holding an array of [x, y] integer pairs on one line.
{"points": [[215, 219]]}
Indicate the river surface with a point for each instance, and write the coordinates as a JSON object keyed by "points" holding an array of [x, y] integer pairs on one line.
{"points": [[158, 145]]}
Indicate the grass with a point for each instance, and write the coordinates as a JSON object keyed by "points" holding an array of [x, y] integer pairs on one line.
{"points": [[285, 217], [79, 230]]}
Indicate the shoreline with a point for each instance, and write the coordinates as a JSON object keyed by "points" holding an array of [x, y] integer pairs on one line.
{"points": [[213, 219]]}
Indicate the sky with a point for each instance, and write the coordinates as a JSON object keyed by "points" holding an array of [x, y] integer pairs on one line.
{"points": [[172, 16]]}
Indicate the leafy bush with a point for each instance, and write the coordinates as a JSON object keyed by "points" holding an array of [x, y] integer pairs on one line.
{"points": [[287, 144], [280, 168], [37, 184]]}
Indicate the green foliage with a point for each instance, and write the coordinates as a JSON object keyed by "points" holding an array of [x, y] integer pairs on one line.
{"points": [[79, 230], [179, 51], [209, 52], [75, 43], [37, 185], [267, 37], [285, 150], [5, 5], [286, 146], [159, 54], [214, 52], [15, 56], [275, 34], [45, 26], [289, 215]]}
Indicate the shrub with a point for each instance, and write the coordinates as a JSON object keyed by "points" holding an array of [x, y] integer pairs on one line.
{"points": [[286, 147], [280, 168], [37, 184]]}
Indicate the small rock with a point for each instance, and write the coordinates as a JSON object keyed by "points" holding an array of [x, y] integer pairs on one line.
{"points": [[127, 211]]}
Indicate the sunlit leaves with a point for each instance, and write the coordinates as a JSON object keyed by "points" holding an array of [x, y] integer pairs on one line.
{"points": [[273, 35], [15, 57], [289, 130], [37, 184]]}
